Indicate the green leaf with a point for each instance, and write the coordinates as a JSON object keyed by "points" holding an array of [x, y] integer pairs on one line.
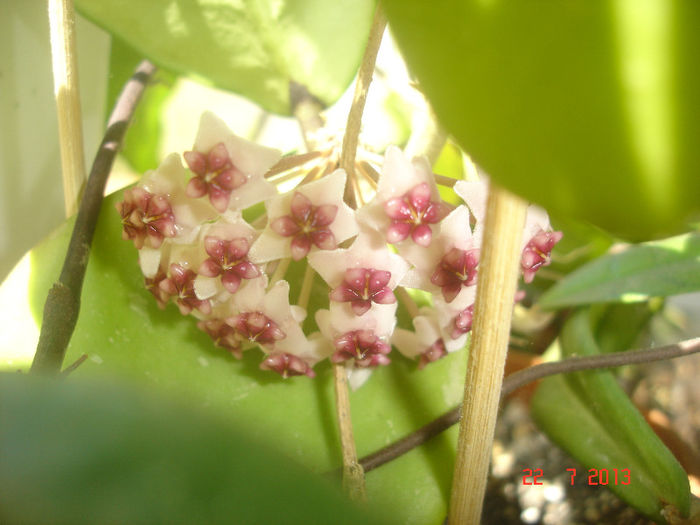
{"points": [[590, 416], [126, 335], [654, 269], [255, 47], [588, 108], [83, 452]]}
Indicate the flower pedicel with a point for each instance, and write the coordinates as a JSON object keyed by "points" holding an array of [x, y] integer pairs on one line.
{"points": [[197, 250]]}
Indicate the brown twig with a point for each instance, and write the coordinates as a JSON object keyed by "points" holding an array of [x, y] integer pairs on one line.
{"points": [[353, 475], [523, 377], [71, 368], [63, 302]]}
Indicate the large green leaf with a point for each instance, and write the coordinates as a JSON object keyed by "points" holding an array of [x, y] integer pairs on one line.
{"points": [[591, 417], [125, 334], [660, 268], [253, 47], [84, 452], [589, 108]]}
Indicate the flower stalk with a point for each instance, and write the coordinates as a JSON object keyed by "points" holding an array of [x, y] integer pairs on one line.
{"points": [[67, 95], [501, 253], [353, 475]]}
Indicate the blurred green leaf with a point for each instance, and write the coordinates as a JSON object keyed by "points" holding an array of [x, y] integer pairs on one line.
{"points": [[126, 335], [254, 48], [83, 452], [618, 326], [659, 268], [589, 108], [590, 416]]}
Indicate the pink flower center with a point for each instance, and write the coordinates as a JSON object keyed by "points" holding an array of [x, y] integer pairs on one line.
{"points": [[361, 287], [215, 175], [287, 365], [456, 269], [363, 346], [411, 213], [537, 253], [229, 260], [224, 336], [256, 327], [146, 217], [180, 285], [433, 353], [307, 224]]}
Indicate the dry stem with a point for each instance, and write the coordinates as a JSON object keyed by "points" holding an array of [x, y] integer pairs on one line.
{"points": [[67, 94], [505, 218]]}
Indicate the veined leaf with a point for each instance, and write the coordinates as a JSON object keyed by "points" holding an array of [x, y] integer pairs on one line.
{"points": [[252, 47], [655, 269], [590, 416]]}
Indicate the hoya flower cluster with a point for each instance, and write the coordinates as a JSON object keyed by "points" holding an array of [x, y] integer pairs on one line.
{"points": [[197, 250]]}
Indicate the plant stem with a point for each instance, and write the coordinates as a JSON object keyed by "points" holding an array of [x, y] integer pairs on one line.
{"points": [[495, 294], [364, 78], [67, 95], [306, 285], [523, 377], [63, 302], [353, 475]]}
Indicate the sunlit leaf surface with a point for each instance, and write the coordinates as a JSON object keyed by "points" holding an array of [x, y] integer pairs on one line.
{"points": [[588, 108], [254, 47]]}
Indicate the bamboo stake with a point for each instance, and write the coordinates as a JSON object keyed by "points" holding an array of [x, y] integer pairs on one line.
{"points": [[500, 257], [67, 94]]}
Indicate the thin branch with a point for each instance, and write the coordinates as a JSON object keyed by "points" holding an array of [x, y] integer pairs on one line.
{"points": [[364, 78], [67, 94], [353, 475], [523, 377], [291, 161], [306, 285], [71, 368], [63, 302]]}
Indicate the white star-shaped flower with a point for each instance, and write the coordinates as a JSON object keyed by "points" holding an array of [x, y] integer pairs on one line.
{"points": [[310, 217], [228, 169]]}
